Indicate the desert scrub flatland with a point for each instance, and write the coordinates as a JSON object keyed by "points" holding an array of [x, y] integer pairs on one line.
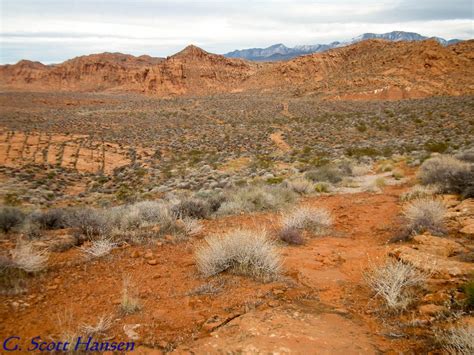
{"points": [[243, 252], [425, 215], [395, 282], [317, 220]]}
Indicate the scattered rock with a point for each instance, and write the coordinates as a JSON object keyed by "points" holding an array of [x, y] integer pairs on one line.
{"points": [[135, 254], [152, 262], [437, 246], [129, 330], [435, 265]]}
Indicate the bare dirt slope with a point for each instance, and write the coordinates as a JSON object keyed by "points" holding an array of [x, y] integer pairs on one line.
{"points": [[373, 69]]}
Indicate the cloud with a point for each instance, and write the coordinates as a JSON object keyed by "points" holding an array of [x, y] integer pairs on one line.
{"points": [[55, 30]]}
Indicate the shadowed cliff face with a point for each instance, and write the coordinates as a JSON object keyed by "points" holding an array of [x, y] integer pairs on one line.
{"points": [[373, 69]]}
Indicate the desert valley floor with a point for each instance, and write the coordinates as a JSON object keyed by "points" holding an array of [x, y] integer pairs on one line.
{"points": [[198, 204]]}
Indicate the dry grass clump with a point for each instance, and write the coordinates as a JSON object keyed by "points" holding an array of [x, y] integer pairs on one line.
{"points": [[361, 170], [301, 186], [139, 215], [395, 282], [425, 215], [318, 220], [459, 340], [192, 227], [256, 198], [98, 330], [99, 248], [243, 252], [419, 192], [130, 303], [26, 258]]}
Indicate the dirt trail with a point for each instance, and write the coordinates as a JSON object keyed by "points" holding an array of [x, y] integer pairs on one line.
{"points": [[319, 305], [280, 142], [332, 317]]}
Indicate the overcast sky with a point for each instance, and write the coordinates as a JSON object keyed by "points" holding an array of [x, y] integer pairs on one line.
{"points": [[56, 30]]}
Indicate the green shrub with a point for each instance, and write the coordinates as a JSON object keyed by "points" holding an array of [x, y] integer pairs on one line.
{"points": [[469, 290]]}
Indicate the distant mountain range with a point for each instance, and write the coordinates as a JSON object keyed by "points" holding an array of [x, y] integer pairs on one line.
{"points": [[279, 51]]}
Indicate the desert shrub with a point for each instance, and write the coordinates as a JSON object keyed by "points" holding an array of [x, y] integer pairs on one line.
{"points": [[419, 192], [301, 186], [468, 288], [10, 217], [291, 235], [28, 259], [425, 215], [467, 155], [141, 214], [99, 248], [256, 198], [91, 222], [31, 229], [213, 199], [360, 170], [395, 282], [328, 173], [99, 329], [192, 227], [55, 218], [436, 147], [243, 252], [459, 340], [274, 180], [397, 174], [318, 220], [322, 187], [450, 174], [12, 279], [130, 303], [462, 182], [192, 207], [380, 182]]}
